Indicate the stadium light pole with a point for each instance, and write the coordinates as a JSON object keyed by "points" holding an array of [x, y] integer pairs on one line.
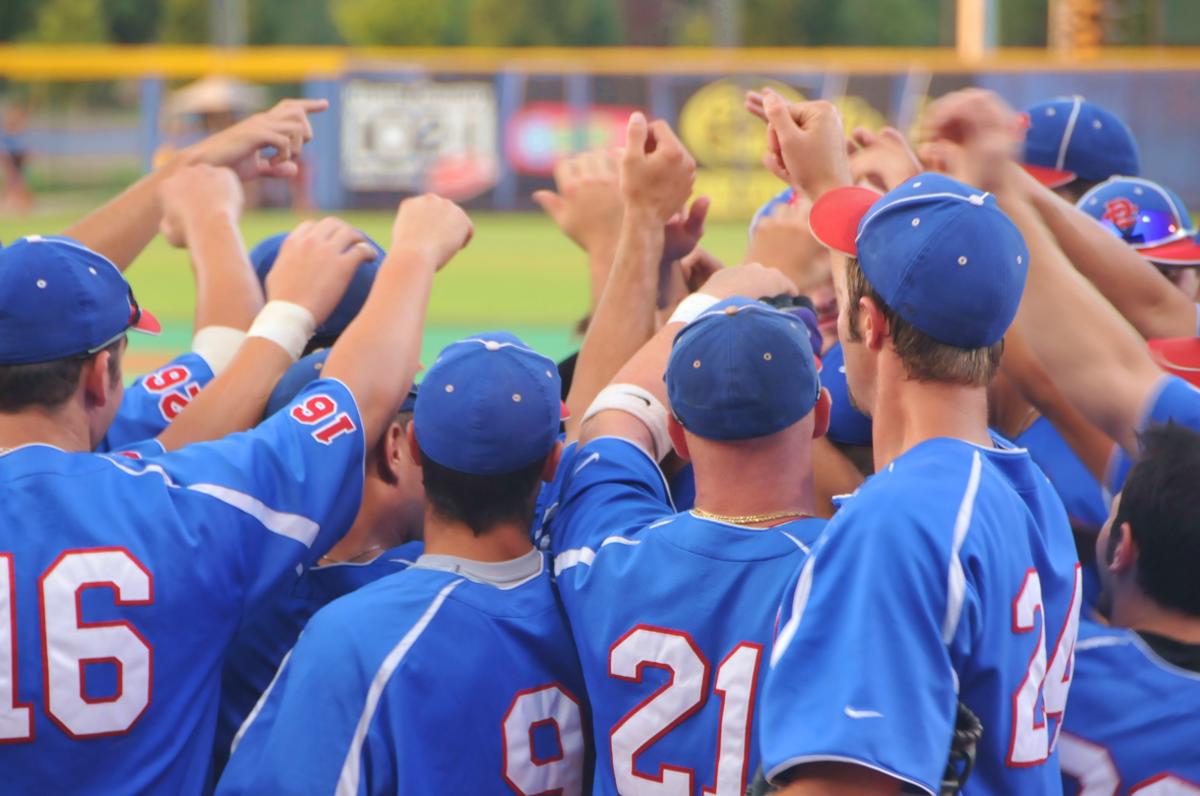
{"points": [[727, 22], [975, 25], [227, 22]]}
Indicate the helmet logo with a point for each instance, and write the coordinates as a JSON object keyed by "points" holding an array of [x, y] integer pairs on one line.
{"points": [[1122, 213]]}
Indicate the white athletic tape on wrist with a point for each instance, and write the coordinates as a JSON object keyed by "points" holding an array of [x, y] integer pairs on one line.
{"points": [[692, 307], [288, 325], [217, 345], [641, 403]]}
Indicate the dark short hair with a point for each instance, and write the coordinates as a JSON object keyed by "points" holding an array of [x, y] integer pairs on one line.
{"points": [[49, 384], [1077, 187], [924, 358], [1159, 503], [482, 502]]}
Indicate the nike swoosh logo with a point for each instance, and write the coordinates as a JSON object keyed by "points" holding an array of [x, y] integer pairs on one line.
{"points": [[862, 714], [643, 399], [593, 458]]}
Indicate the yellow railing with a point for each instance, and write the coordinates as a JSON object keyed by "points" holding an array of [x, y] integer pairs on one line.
{"points": [[275, 64]]}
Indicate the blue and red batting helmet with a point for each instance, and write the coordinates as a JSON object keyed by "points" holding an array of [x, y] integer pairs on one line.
{"points": [[1148, 216]]}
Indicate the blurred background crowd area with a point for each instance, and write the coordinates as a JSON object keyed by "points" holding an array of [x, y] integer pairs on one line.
{"points": [[477, 100]]}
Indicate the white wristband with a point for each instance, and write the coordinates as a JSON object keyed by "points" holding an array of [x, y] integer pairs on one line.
{"points": [[691, 308], [288, 325], [641, 403], [217, 345]]}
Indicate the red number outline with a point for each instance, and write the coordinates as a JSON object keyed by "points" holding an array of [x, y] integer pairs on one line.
{"points": [[750, 699], [583, 728], [80, 625], [637, 678], [12, 623], [157, 382]]}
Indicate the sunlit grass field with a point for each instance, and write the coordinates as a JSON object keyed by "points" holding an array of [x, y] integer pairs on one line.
{"points": [[519, 273]]}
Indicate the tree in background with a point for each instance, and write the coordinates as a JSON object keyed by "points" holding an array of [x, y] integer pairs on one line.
{"points": [[68, 21], [392, 22], [184, 22], [131, 21]]}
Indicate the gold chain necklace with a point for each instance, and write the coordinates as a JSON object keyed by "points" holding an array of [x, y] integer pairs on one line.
{"points": [[354, 557], [749, 519]]}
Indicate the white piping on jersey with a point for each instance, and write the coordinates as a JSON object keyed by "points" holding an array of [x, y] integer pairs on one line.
{"points": [[347, 784], [799, 603], [805, 759], [6, 451], [262, 700], [1077, 104], [1132, 638], [956, 579], [586, 555], [797, 542], [658, 468], [293, 526]]}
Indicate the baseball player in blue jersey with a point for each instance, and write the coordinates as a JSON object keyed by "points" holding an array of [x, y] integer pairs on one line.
{"points": [[125, 580], [384, 540], [1135, 704], [950, 576], [674, 670], [468, 649]]}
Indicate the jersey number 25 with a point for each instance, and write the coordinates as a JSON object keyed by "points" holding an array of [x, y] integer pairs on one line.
{"points": [[70, 644]]}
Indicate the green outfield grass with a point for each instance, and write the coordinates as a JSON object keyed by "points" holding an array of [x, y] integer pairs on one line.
{"points": [[519, 273]]}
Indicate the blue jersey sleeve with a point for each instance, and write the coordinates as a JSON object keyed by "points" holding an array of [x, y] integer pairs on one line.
{"points": [[1175, 401], [154, 400], [610, 487], [278, 496], [859, 660]]}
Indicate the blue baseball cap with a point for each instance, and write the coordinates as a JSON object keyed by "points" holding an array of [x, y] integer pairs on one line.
{"points": [[741, 370], [847, 425], [300, 375], [1070, 138], [1148, 216], [785, 197], [263, 255], [940, 253], [489, 405], [58, 298]]}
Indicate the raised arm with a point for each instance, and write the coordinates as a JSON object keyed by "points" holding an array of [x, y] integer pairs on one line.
{"points": [[314, 267], [122, 227], [377, 356], [656, 179], [201, 208], [646, 367], [1149, 302]]}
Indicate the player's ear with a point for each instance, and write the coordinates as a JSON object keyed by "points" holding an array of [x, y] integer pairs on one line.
{"points": [[821, 414], [874, 324], [1125, 552], [678, 438], [392, 451], [414, 450], [96, 378], [551, 465]]}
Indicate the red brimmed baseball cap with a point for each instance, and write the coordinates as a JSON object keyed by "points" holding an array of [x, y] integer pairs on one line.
{"points": [[939, 252], [59, 299], [1069, 138], [1179, 356]]}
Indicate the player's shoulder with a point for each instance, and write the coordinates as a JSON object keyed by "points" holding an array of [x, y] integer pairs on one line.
{"points": [[384, 608]]}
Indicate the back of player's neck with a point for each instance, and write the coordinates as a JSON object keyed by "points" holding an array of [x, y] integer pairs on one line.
{"points": [[501, 542], [908, 412], [60, 428], [1138, 612]]}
